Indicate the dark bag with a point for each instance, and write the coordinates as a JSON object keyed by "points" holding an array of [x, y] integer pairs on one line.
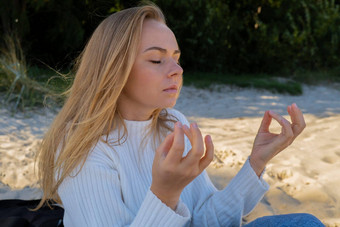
{"points": [[16, 213]]}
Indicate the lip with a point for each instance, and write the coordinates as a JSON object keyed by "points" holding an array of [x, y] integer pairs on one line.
{"points": [[171, 89]]}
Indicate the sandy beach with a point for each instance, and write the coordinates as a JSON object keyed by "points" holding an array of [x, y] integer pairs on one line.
{"points": [[303, 178]]}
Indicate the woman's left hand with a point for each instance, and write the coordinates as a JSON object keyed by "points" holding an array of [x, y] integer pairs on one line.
{"points": [[267, 144]]}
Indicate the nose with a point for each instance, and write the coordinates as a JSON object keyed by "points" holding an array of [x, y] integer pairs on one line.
{"points": [[174, 69]]}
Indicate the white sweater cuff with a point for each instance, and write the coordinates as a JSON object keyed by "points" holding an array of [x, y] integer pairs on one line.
{"points": [[153, 212], [251, 172], [250, 186]]}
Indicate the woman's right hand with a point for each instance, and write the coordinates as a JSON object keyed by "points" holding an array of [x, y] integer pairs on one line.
{"points": [[170, 171]]}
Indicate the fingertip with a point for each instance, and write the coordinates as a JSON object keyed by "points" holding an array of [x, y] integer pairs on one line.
{"points": [[295, 108], [178, 128], [271, 113], [207, 139], [194, 128], [187, 132], [208, 142], [185, 127], [289, 109]]}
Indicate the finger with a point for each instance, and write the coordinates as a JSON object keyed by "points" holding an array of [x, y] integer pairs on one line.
{"points": [[295, 114], [287, 131], [197, 141], [187, 132], [298, 121], [176, 151], [265, 123], [209, 153], [289, 110], [197, 150], [165, 146]]}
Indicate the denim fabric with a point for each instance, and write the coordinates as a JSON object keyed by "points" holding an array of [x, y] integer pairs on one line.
{"points": [[287, 220]]}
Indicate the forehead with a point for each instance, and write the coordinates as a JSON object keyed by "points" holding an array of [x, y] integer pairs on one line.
{"points": [[155, 33]]}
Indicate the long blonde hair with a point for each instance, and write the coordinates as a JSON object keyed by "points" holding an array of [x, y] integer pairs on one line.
{"points": [[90, 110]]}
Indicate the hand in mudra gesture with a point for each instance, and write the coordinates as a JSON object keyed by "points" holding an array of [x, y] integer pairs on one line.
{"points": [[267, 144], [171, 172]]}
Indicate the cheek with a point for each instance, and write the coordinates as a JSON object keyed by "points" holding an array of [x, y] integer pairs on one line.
{"points": [[144, 86]]}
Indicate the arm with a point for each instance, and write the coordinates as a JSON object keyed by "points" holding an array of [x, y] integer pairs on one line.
{"points": [[222, 208], [228, 206], [242, 194], [93, 198]]}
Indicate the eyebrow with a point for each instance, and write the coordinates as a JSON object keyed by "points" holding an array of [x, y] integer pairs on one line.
{"points": [[161, 50]]}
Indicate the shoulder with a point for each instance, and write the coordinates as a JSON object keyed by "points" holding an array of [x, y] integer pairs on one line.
{"points": [[102, 154]]}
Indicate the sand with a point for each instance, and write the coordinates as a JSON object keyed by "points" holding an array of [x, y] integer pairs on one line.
{"points": [[303, 178]]}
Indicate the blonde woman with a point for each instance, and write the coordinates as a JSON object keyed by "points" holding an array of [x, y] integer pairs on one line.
{"points": [[118, 155]]}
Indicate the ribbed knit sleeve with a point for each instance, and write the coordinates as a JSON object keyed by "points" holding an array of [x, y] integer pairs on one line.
{"points": [[93, 198], [228, 206]]}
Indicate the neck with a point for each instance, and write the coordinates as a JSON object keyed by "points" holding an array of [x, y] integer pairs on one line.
{"points": [[136, 116], [135, 113]]}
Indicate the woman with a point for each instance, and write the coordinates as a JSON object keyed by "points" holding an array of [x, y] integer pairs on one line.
{"points": [[118, 155]]}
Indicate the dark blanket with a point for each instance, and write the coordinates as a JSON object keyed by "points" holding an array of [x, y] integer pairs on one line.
{"points": [[16, 213]]}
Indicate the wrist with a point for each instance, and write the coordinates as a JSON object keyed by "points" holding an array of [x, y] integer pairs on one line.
{"points": [[256, 165], [168, 199]]}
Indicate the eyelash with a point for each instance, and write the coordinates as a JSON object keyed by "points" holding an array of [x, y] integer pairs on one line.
{"points": [[159, 62]]}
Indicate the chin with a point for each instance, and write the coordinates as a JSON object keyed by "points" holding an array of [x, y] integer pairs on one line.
{"points": [[173, 104], [169, 105]]}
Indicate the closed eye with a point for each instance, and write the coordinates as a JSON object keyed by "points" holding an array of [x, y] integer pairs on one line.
{"points": [[155, 62]]}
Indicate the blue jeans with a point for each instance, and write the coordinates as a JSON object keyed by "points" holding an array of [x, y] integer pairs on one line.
{"points": [[287, 220]]}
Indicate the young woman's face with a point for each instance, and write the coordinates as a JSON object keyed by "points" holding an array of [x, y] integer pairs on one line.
{"points": [[156, 76]]}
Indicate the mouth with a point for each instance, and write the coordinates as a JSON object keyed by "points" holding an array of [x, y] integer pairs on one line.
{"points": [[171, 89]]}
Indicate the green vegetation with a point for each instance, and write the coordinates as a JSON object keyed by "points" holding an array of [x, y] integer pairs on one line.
{"points": [[24, 86], [36, 87], [263, 81], [317, 77], [60, 81], [274, 45], [254, 37], [237, 36]]}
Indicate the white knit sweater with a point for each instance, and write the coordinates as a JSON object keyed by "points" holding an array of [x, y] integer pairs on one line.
{"points": [[113, 189]]}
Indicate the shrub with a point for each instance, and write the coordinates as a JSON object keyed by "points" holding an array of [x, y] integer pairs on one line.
{"points": [[20, 89]]}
